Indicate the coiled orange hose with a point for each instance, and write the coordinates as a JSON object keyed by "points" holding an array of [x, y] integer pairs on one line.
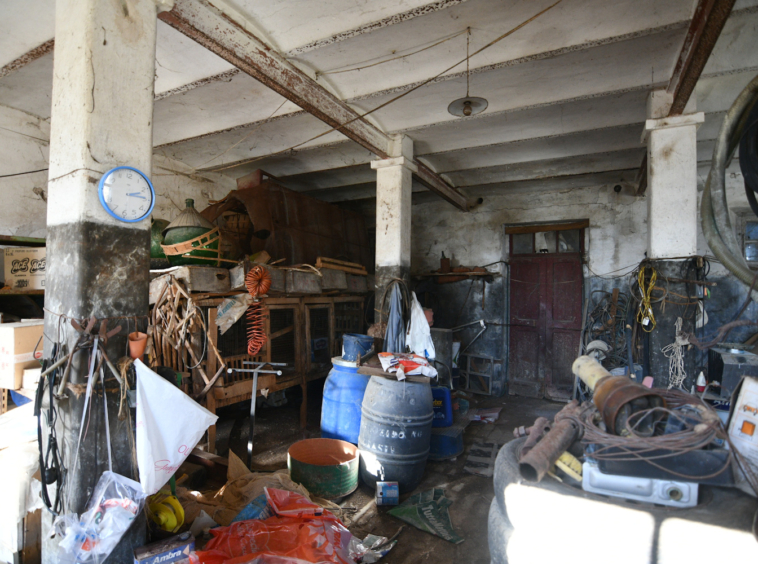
{"points": [[257, 282]]}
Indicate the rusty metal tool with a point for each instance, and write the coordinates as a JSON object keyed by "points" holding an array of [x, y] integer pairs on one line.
{"points": [[540, 459]]}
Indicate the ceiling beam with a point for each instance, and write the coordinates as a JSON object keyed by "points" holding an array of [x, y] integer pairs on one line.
{"points": [[705, 28], [217, 32], [27, 58]]}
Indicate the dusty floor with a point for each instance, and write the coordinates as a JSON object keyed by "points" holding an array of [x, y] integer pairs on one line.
{"points": [[277, 428]]}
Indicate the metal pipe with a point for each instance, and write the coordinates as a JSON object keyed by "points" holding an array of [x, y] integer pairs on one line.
{"points": [[538, 461]]}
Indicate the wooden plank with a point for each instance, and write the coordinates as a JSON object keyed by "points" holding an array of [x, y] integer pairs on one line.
{"points": [[265, 381], [31, 552], [358, 271], [320, 261], [542, 227], [369, 371], [196, 279]]}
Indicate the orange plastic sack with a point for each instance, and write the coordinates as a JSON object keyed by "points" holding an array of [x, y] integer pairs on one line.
{"points": [[308, 534]]}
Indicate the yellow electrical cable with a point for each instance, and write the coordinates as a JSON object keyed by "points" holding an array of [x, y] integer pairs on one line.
{"points": [[645, 316]]}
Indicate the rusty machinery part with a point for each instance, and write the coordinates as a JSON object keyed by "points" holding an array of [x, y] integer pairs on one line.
{"points": [[626, 406], [540, 428], [200, 243], [257, 282], [566, 429]]}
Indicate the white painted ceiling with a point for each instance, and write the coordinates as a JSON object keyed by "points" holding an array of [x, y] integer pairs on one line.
{"points": [[566, 93]]}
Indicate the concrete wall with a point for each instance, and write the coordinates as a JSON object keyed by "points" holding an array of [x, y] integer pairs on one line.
{"points": [[24, 147], [615, 243]]}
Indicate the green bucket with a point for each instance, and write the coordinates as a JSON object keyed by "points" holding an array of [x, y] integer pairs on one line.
{"points": [[327, 468]]}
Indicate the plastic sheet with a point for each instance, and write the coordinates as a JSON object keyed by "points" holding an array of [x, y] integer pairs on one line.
{"points": [[169, 425], [230, 311], [394, 338], [419, 336], [89, 539], [301, 532]]}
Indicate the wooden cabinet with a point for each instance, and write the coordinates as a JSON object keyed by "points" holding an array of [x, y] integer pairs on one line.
{"points": [[303, 332]]}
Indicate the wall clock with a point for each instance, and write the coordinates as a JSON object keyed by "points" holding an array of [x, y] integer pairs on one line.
{"points": [[126, 194]]}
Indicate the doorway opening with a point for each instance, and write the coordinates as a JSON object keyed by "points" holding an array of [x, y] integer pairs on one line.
{"points": [[545, 303]]}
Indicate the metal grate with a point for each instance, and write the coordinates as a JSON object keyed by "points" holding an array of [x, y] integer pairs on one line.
{"points": [[348, 318], [234, 341], [319, 328], [283, 346]]}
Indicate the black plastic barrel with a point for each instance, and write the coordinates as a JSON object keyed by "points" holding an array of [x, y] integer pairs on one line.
{"points": [[396, 431]]}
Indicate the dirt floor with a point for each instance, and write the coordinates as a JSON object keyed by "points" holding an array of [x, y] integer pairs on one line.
{"points": [[277, 428]]}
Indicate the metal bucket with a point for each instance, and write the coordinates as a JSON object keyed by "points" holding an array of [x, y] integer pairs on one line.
{"points": [[327, 468], [341, 405], [396, 430]]}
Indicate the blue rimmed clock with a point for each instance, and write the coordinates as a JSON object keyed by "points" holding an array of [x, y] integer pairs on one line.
{"points": [[126, 194]]}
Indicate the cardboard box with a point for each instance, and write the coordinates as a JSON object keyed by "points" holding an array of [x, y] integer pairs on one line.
{"points": [[387, 493], [174, 549], [24, 268], [17, 351]]}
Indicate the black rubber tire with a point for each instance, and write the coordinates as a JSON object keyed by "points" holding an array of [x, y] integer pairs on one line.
{"points": [[499, 531], [531, 505]]}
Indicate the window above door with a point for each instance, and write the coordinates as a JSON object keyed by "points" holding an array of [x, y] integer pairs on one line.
{"points": [[528, 239]]}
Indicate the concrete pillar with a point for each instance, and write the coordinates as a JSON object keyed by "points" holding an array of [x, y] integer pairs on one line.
{"points": [[102, 115], [393, 214], [672, 178]]}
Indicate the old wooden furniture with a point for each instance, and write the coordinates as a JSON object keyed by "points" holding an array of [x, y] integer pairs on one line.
{"points": [[303, 332]]}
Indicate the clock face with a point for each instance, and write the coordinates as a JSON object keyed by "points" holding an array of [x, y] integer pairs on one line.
{"points": [[126, 194]]}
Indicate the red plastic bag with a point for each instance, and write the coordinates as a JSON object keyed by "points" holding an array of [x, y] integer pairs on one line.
{"points": [[301, 532]]}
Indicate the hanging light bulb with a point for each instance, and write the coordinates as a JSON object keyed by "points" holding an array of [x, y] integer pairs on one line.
{"points": [[470, 105]]}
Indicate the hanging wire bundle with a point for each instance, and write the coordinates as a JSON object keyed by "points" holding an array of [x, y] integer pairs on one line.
{"points": [[605, 324], [675, 353], [257, 282], [698, 425]]}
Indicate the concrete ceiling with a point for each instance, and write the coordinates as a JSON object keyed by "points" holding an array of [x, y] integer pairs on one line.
{"points": [[567, 93]]}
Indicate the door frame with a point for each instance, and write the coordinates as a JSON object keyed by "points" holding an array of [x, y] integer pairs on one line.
{"points": [[510, 229]]}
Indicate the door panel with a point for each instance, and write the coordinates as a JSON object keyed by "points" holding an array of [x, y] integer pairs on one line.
{"points": [[527, 328], [545, 322]]}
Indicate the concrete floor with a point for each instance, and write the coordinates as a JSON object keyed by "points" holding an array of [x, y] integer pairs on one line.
{"points": [[277, 428]]}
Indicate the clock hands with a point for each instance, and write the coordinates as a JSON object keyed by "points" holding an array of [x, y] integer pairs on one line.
{"points": [[137, 195]]}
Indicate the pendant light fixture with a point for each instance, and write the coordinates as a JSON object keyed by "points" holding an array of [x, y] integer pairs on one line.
{"points": [[470, 105]]}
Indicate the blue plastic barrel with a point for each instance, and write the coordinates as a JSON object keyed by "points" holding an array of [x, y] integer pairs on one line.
{"points": [[343, 396], [355, 345]]}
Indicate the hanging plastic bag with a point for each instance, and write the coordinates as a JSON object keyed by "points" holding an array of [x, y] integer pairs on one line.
{"points": [[169, 425], [230, 310], [419, 336], [89, 539]]}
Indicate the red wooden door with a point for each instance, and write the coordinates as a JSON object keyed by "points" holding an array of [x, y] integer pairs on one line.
{"points": [[545, 322]]}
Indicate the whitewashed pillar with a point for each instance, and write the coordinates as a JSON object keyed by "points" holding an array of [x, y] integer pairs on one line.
{"points": [[102, 117], [393, 213], [672, 178]]}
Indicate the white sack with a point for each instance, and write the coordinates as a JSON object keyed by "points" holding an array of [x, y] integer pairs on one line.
{"points": [[169, 425], [419, 336], [231, 309]]}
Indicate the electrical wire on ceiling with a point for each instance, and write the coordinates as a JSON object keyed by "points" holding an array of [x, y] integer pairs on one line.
{"points": [[396, 98], [363, 65]]}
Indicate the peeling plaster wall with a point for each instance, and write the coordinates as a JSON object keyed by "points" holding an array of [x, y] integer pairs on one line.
{"points": [[616, 237], [24, 147]]}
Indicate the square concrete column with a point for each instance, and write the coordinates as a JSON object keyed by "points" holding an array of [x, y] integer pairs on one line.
{"points": [[672, 179], [102, 117], [393, 213]]}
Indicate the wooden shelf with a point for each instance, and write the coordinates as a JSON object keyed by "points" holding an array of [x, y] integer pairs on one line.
{"points": [[13, 292]]}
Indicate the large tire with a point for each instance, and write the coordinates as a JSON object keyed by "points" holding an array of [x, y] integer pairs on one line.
{"points": [[640, 532], [499, 531]]}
